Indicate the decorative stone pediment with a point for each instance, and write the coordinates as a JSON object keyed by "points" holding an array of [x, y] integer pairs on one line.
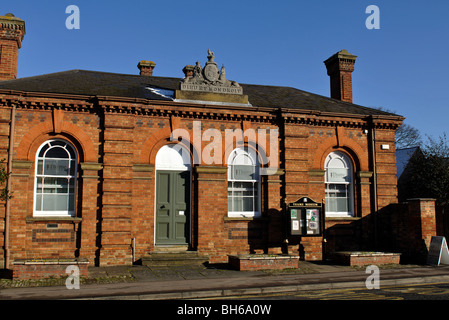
{"points": [[209, 84], [210, 79]]}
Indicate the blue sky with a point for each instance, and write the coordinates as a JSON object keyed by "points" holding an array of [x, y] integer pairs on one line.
{"points": [[403, 66]]}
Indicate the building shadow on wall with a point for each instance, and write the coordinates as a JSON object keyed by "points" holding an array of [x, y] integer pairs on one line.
{"points": [[266, 234], [395, 229]]}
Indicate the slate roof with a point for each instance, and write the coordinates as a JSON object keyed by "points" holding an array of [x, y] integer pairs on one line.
{"points": [[403, 157], [94, 83]]}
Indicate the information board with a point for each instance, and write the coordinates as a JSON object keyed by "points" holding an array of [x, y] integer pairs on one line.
{"points": [[438, 252], [305, 217]]}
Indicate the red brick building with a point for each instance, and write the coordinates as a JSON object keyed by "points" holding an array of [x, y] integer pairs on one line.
{"points": [[95, 175]]}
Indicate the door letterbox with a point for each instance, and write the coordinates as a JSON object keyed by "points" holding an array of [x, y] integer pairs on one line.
{"points": [[305, 218]]}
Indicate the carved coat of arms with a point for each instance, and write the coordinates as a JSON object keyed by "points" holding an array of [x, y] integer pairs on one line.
{"points": [[210, 78]]}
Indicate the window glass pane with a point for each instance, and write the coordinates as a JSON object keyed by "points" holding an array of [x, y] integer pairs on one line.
{"points": [[72, 167], [49, 202], [58, 143], [57, 152], [53, 202], [241, 172], [44, 148], [342, 204], [71, 202], [49, 185], [237, 193], [248, 193], [38, 202], [72, 185], [62, 185], [38, 185], [331, 205], [338, 175], [247, 203], [238, 204], [56, 167], [71, 151], [39, 167]]}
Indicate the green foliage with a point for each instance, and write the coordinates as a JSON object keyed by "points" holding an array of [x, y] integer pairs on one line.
{"points": [[429, 171]]}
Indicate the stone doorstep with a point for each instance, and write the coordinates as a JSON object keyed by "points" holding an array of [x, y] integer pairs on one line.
{"points": [[168, 258], [171, 249]]}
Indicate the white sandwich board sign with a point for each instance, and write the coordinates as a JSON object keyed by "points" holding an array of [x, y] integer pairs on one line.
{"points": [[438, 252]]}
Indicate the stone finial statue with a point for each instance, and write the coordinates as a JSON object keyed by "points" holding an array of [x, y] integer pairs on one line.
{"points": [[210, 55]]}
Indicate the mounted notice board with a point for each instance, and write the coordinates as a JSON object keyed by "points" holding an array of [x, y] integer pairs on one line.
{"points": [[438, 252]]}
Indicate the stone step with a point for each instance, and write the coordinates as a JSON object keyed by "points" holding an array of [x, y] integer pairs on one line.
{"points": [[171, 248], [167, 258]]}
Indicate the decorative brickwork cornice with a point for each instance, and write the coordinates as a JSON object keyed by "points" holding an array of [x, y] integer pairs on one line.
{"points": [[133, 106]]}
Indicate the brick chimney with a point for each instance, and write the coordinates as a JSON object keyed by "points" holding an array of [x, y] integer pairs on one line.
{"points": [[146, 68], [12, 31], [340, 67]]}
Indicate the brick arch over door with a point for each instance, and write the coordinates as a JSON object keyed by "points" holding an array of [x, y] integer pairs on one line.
{"points": [[160, 138], [38, 134]]}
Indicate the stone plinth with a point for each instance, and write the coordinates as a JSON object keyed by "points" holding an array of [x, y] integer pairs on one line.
{"points": [[252, 262]]}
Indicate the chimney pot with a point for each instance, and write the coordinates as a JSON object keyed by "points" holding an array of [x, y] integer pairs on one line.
{"points": [[340, 67], [146, 68]]}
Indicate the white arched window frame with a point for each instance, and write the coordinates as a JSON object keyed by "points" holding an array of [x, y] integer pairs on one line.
{"points": [[55, 179], [339, 185], [243, 183]]}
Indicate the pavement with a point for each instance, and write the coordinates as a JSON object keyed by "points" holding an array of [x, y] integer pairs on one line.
{"points": [[201, 282]]}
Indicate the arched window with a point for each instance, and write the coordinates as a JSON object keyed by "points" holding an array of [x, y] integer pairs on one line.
{"points": [[339, 185], [55, 181], [243, 183]]}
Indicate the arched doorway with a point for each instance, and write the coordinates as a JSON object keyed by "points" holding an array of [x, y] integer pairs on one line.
{"points": [[173, 196]]}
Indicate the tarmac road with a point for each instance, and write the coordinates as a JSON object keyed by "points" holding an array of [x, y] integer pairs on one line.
{"points": [[436, 291]]}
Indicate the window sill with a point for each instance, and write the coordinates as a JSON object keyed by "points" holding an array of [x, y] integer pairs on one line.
{"points": [[55, 219], [348, 218], [244, 218]]}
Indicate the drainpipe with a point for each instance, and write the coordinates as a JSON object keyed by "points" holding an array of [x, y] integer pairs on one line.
{"points": [[8, 201], [133, 250], [373, 164]]}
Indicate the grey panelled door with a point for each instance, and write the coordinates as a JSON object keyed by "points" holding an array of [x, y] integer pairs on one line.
{"points": [[172, 207]]}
